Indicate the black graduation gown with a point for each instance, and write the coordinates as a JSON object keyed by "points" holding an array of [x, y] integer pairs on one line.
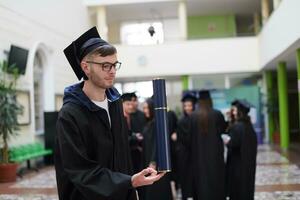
{"points": [[92, 159], [241, 161], [137, 121], [184, 158], [206, 156], [160, 190], [172, 125], [135, 151]]}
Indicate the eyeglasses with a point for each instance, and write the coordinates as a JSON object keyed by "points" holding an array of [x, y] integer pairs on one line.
{"points": [[106, 66]]}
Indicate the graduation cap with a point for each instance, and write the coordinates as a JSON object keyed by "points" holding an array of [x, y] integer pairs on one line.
{"points": [[242, 104], [133, 95], [126, 97], [189, 97], [204, 94], [82, 46]]}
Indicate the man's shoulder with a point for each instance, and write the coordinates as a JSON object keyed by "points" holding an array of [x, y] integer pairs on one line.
{"points": [[72, 109]]}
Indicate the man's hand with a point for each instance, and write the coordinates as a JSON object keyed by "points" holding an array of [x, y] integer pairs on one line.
{"points": [[145, 177]]}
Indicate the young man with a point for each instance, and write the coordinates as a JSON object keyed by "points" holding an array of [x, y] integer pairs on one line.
{"points": [[134, 138], [92, 158]]}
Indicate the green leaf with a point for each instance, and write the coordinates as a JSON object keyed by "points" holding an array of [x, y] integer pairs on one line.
{"points": [[9, 107]]}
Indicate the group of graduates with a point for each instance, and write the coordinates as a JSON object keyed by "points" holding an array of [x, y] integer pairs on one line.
{"points": [[197, 141]]}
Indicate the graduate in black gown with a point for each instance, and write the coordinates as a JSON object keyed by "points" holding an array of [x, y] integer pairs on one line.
{"points": [[137, 123], [203, 130], [92, 159], [183, 158], [160, 190], [134, 138], [242, 150]]}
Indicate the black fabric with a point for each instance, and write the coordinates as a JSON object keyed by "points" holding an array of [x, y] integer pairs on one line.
{"points": [[160, 190], [204, 94], [206, 155], [90, 45], [184, 158], [241, 161], [242, 104], [172, 125], [92, 160], [126, 97], [189, 96], [138, 121]]}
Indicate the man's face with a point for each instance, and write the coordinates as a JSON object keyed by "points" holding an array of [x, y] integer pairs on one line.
{"points": [[99, 77], [127, 107], [135, 103]]}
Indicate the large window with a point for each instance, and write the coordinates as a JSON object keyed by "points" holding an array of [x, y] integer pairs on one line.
{"points": [[138, 34]]}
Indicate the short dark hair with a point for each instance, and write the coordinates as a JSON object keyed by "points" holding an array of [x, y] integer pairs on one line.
{"points": [[105, 50]]}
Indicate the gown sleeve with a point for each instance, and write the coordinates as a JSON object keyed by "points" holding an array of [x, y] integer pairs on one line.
{"points": [[221, 124], [235, 134]]}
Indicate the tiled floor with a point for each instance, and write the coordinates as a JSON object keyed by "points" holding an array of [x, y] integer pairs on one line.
{"points": [[277, 174], [277, 178], [34, 186]]}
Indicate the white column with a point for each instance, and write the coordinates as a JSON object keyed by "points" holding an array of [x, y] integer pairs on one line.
{"points": [[182, 18], [265, 109], [101, 22], [48, 87], [227, 82], [265, 11], [276, 4]]}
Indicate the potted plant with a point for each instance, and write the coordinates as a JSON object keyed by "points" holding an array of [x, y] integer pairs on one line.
{"points": [[9, 111]]}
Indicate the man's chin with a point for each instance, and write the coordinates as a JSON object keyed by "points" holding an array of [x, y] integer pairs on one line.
{"points": [[110, 85]]}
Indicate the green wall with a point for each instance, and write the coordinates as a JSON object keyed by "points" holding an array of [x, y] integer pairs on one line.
{"points": [[211, 26]]}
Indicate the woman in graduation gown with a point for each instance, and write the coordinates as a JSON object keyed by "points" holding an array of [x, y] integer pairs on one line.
{"points": [[160, 190], [203, 132], [242, 150]]}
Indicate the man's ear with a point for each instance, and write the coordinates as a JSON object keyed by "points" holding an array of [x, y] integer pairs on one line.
{"points": [[85, 67]]}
